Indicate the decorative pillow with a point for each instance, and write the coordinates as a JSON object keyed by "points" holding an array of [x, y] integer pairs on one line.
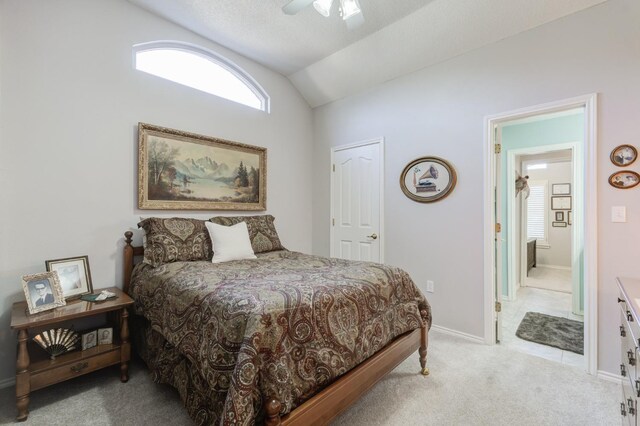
{"points": [[230, 242], [175, 239], [262, 231]]}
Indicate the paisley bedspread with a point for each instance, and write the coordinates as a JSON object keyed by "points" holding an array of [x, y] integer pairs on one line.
{"points": [[282, 326]]}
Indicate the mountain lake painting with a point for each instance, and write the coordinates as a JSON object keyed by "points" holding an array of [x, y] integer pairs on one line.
{"points": [[180, 170]]}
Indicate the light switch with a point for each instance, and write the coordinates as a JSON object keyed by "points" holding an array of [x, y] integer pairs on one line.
{"points": [[618, 214]]}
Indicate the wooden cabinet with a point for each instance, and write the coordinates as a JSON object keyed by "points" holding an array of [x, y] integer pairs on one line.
{"points": [[531, 254], [35, 370], [630, 348]]}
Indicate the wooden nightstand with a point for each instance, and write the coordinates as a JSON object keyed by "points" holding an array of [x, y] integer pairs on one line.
{"points": [[34, 368]]}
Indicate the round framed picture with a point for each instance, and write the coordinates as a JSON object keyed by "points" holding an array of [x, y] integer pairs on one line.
{"points": [[623, 155], [624, 179], [428, 179]]}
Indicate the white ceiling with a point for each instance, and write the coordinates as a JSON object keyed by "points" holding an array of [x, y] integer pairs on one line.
{"points": [[326, 61], [260, 30]]}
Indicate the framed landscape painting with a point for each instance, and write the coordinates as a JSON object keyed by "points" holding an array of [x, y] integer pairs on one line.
{"points": [[185, 171]]}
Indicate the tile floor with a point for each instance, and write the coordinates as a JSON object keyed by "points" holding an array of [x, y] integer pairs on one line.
{"points": [[544, 301], [549, 278]]}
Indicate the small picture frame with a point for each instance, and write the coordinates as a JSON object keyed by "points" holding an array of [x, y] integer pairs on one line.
{"points": [[42, 291], [624, 179], [560, 216], [561, 202], [623, 155], [105, 336], [559, 224], [89, 340], [74, 275], [569, 217], [561, 189]]}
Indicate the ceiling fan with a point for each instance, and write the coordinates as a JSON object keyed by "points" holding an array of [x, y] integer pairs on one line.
{"points": [[349, 9]]}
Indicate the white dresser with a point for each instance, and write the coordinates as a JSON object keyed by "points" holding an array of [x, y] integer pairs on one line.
{"points": [[629, 301]]}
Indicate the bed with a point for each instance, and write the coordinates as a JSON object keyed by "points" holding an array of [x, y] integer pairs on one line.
{"points": [[286, 338]]}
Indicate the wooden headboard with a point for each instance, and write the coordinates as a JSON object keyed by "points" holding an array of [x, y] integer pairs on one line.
{"points": [[130, 252]]}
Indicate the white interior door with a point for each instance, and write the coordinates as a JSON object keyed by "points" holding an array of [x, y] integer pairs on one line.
{"points": [[356, 195]]}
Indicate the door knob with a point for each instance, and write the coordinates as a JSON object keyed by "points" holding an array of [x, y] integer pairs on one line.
{"points": [[373, 236]]}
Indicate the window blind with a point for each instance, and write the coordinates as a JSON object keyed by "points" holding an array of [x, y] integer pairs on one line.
{"points": [[536, 210]]}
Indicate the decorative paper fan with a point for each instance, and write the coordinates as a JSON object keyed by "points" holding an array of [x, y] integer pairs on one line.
{"points": [[57, 342]]}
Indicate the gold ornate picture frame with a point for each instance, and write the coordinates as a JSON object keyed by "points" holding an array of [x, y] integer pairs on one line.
{"points": [[42, 291], [185, 171]]}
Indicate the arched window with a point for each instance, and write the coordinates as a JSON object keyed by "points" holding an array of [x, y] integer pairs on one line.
{"points": [[201, 69]]}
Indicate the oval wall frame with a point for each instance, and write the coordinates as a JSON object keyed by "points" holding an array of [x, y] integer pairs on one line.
{"points": [[623, 155], [624, 179], [428, 179]]}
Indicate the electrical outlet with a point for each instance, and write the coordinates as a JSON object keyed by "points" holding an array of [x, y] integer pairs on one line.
{"points": [[430, 286]]}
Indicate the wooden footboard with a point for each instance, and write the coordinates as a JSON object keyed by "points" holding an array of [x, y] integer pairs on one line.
{"points": [[337, 397]]}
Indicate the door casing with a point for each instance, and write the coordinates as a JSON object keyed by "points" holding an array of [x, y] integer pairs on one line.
{"points": [[578, 185], [499, 239], [588, 216]]}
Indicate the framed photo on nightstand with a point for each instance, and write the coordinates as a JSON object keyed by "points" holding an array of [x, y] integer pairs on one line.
{"points": [[105, 336], [42, 291], [89, 340], [74, 275]]}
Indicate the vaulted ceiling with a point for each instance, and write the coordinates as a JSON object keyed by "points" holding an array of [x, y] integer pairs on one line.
{"points": [[327, 61]]}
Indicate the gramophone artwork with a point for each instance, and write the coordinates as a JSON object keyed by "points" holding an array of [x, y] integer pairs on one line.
{"points": [[428, 179]]}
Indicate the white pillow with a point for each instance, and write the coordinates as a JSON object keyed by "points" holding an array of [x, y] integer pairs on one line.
{"points": [[230, 242]]}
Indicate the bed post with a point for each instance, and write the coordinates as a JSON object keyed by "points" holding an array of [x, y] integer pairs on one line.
{"points": [[128, 261], [424, 342], [272, 409]]}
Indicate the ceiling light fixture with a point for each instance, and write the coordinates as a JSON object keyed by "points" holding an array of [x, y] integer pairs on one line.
{"points": [[349, 8], [323, 7]]}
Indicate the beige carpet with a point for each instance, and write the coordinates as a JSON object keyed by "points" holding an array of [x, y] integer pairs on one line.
{"points": [[549, 278], [470, 384]]}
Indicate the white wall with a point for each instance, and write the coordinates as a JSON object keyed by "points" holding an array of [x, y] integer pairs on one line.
{"points": [[70, 106], [559, 251], [441, 111]]}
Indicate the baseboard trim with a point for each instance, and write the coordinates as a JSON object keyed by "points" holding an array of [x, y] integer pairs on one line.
{"points": [[543, 265], [7, 383], [609, 377], [456, 333]]}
